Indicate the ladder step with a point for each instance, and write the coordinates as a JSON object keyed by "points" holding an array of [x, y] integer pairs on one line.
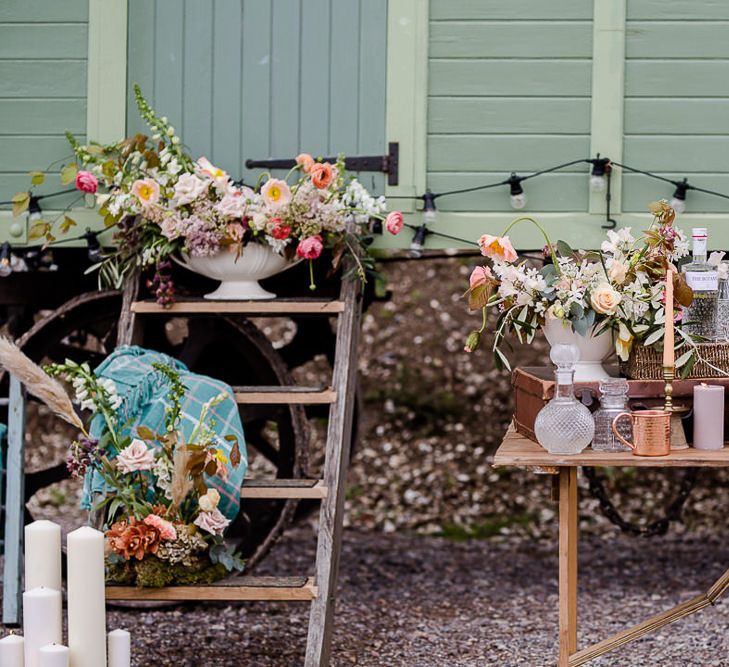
{"points": [[284, 395], [303, 489], [263, 307], [233, 589]]}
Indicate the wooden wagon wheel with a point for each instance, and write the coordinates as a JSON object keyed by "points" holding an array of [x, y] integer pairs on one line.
{"points": [[230, 348]]}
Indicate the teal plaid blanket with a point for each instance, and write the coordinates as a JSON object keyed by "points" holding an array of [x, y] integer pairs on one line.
{"points": [[144, 398]]}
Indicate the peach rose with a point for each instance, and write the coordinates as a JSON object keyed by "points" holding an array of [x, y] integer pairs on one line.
{"points": [[305, 162], [213, 522], [618, 272], [605, 299], [209, 501], [480, 276], [497, 247], [135, 457], [321, 175]]}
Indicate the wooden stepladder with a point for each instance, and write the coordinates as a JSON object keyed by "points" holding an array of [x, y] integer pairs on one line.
{"points": [[319, 590]]}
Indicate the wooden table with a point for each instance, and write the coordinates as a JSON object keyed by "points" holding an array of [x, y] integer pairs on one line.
{"points": [[518, 451]]}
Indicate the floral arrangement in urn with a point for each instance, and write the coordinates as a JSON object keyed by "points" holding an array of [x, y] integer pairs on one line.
{"points": [[163, 524], [166, 205], [617, 291]]}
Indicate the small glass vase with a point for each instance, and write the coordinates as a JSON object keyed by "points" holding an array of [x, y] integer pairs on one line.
{"points": [[613, 401], [564, 426]]}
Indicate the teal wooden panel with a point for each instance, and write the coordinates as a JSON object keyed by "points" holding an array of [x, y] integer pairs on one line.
{"points": [[677, 78], [42, 78], [12, 182], [285, 76], [677, 9], [532, 78], [552, 192], [494, 152], [513, 9], [263, 78], [316, 50], [539, 115], [42, 116], [227, 95], [679, 116], [684, 153], [639, 190], [671, 39], [197, 88], [344, 82], [256, 68], [45, 40], [140, 58], [511, 39], [169, 59], [21, 11]]}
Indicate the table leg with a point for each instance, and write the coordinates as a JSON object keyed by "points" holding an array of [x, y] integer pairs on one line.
{"points": [[568, 534]]}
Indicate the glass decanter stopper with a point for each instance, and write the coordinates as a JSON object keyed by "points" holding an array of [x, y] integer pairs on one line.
{"points": [[613, 401], [564, 425]]}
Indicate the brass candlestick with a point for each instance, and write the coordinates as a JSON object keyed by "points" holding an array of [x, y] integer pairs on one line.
{"points": [[678, 437]]}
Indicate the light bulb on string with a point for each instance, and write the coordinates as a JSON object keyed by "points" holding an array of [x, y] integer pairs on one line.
{"points": [[6, 267], [93, 245], [517, 198], [430, 217], [34, 210], [678, 201], [598, 180]]}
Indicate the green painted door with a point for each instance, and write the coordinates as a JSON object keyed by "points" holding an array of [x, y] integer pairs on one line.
{"points": [[253, 79]]}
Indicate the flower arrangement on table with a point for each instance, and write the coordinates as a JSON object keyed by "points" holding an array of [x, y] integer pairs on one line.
{"points": [[619, 288], [162, 520], [164, 204]]}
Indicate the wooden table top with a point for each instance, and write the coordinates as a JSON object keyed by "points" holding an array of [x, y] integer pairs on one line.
{"points": [[518, 451]]}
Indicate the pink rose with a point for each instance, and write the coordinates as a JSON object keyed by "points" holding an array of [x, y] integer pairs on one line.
{"points": [[136, 456], [310, 248], [480, 276], [213, 522], [497, 247], [166, 529], [394, 222], [86, 182]]}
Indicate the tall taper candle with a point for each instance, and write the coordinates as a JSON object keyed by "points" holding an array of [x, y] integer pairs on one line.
{"points": [[53, 655], [43, 555], [42, 623], [11, 651], [669, 358], [120, 648], [86, 601]]}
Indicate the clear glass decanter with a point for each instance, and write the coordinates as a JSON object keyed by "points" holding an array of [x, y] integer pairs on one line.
{"points": [[613, 401], [564, 425]]}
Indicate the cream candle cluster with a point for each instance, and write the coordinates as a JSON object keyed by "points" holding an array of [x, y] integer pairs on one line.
{"points": [[42, 642]]}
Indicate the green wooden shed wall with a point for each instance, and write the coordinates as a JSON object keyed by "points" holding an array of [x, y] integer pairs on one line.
{"points": [[470, 89]]}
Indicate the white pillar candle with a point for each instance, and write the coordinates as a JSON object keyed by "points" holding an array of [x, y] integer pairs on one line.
{"points": [[120, 648], [708, 416], [53, 655], [11, 651], [43, 555], [86, 602], [42, 624]]}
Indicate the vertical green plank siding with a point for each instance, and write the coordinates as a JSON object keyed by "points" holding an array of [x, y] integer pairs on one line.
{"points": [[677, 100], [509, 88], [43, 53], [264, 78]]}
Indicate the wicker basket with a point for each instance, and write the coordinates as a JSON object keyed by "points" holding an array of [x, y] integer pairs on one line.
{"points": [[646, 363]]}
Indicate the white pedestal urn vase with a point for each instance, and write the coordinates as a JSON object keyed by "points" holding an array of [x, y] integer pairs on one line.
{"points": [[593, 349], [239, 276]]}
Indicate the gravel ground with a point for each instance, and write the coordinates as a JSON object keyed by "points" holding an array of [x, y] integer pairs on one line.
{"points": [[420, 601]]}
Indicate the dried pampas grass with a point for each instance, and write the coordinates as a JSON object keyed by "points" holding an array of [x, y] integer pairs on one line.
{"points": [[38, 382], [181, 482]]}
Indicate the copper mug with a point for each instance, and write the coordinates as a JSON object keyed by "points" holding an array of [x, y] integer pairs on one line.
{"points": [[651, 432]]}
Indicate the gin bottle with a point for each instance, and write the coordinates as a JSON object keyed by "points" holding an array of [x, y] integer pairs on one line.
{"points": [[700, 318]]}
